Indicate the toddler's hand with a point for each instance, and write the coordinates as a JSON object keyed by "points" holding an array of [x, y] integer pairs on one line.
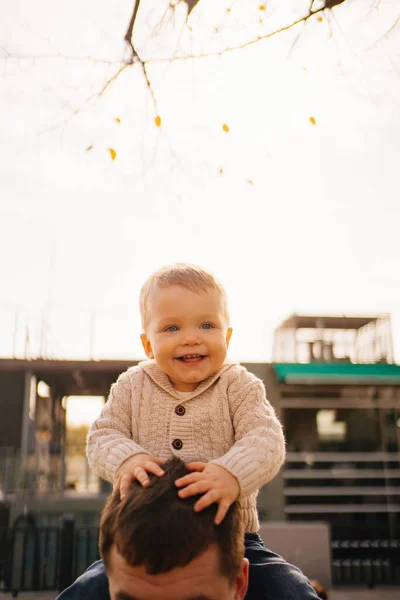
{"points": [[216, 483], [137, 467]]}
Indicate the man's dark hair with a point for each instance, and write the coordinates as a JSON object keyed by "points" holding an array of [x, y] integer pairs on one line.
{"points": [[156, 528]]}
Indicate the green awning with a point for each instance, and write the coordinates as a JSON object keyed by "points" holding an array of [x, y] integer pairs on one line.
{"points": [[338, 373]]}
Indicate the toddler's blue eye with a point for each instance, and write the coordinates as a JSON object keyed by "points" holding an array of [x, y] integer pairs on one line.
{"points": [[206, 326], [172, 328]]}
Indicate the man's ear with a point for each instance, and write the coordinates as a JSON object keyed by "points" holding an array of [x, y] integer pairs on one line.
{"points": [[242, 580], [146, 345], [228, 336]]}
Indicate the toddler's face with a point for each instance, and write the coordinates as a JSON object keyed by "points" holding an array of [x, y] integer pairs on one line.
{"points": [[187, 334]]}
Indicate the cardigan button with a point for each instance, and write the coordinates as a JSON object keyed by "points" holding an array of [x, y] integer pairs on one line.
{"points": [[177, 444], [180, 410]]}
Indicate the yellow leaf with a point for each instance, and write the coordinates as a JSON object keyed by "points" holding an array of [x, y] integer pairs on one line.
{"points": [[225, 128], [312, 120], [250, 181], [89, 148], [157, 121], [113, 154], [262, 7], [221, 171], [118, 119], [320, 19]]}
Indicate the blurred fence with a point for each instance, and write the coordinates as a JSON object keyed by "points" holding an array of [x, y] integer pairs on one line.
{"points": [[366, 562], [36, 558]]}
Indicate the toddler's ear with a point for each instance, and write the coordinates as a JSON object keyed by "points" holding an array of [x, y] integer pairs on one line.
{"points": [[146, 345]]}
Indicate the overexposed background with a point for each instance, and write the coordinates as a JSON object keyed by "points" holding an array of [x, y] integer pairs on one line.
{"points": [[274, 165]]}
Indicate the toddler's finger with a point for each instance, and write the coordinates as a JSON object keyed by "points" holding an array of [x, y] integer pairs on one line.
{"points": [[199, 487], [124, 485], [196, 466], [221, 512], [152, 467], [141, 475], [188, 479], [206, 500]]}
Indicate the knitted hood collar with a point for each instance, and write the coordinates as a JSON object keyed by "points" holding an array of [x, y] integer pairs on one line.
{"points": [[163, 381]]}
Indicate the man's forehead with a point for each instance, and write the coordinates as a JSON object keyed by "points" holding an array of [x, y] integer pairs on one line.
{"points": [[201, 579]]}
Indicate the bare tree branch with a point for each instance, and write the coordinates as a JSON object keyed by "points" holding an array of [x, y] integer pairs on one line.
{"points": [[246, 44], [151, 90], [388, 32], [331, 3], [375, 7], [392, 28], [301, 31], [191, 4], [109, 82], [129, 32], [135, 55], [98, 61]]}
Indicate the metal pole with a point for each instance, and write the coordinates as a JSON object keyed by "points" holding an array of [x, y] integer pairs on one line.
{"points": [[14, 348], [66, 552], [30, 382], [63, 445], [92, 334]]}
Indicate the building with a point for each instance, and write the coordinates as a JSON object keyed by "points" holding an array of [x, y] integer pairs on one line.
{"points": [[338, 394], [332, 382]]}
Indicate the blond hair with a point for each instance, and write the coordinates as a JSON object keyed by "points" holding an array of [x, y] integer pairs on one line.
{"points": [[191, 277]]}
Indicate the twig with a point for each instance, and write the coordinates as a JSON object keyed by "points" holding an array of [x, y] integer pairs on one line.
{"points": [[129, 32], [242, 46]]}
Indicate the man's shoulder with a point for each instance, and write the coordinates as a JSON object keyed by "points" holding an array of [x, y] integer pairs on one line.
{"points": [[92, 585]]}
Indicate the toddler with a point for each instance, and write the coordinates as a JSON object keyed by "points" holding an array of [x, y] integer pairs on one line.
{"points": [[187, 400]]}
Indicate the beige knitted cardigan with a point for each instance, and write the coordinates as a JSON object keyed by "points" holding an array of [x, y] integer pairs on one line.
{"points": [[226, 419]]}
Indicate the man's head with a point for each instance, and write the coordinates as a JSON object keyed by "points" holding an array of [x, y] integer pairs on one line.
{"points": [[185, 323], [155, 546]]}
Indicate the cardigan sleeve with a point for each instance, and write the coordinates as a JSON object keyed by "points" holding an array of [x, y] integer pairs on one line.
{"points": [[259, 449], [110, 441]]}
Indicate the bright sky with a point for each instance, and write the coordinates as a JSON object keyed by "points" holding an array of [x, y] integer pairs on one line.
{"points": [[291, 216], [83, 409]]}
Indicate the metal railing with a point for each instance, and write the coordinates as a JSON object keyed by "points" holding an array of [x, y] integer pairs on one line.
{"points": [[51, 332], [44, 557], [366, 562], [340, 483]]}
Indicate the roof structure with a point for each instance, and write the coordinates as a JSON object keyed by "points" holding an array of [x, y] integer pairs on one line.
{"points": [[295, 321], [337, 373]]}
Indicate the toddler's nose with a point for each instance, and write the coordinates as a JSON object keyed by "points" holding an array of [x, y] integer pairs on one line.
{"points": [[190, 338]]}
